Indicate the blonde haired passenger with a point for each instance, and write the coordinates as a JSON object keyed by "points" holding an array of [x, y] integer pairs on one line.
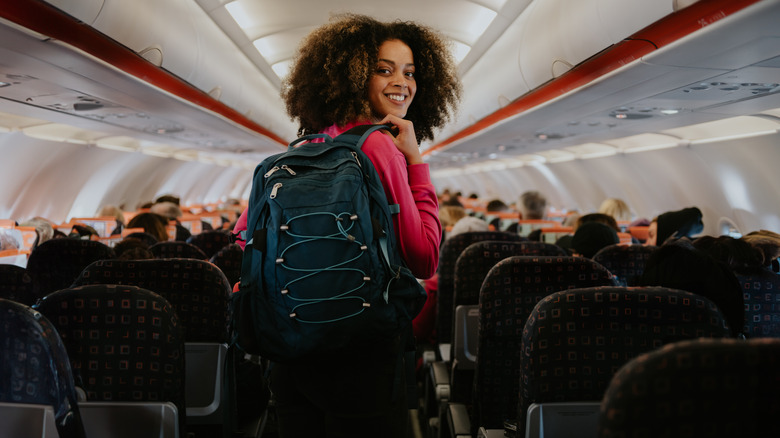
{"points": [[616, 208]]}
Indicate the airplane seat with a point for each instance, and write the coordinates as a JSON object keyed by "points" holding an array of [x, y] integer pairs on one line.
{"points": [[16, 284], [125, 343], [574, 341], [509, 293], [706, 387], [228, 259], [471, 268], [626, 262], [174, 249], [210, 242], [35, 370], [449, 253], [198, 290], [57, 262], [200, 294], [762, 304]]}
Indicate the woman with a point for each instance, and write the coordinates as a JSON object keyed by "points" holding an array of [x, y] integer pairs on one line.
{"points": [[356, 70]]}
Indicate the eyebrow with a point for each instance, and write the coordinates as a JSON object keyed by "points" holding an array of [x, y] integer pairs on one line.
{"points": [[411, 64]]}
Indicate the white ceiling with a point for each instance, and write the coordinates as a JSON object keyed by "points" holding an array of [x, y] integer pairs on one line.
{"points": [[727, 68]]}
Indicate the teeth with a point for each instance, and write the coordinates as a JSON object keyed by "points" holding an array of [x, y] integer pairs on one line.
{"points": [[395, 97]]}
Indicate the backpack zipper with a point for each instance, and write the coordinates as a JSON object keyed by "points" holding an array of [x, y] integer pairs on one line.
{"points": [[288, 169], [355, 156], [275, 189], [271, 172]]}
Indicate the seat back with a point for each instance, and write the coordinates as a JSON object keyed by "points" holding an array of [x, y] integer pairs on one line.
{"points": [[17, 284], [34, 366], [449, 253], [210, 242], [198, 290], [57, 262], [575, 340], [471, 268], [125, 343], [228, 260], [761, 292], [25, 420], [626, 262], [508, 295], [174, 249], [708, 387]]}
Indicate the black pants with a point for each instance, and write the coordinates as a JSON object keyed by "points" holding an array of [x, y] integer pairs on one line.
{"points": [[351, 393]]}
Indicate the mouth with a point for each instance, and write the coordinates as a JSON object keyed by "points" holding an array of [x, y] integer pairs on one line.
{"points": [[400, 98]]}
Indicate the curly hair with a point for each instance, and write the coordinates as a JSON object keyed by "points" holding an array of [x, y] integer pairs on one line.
{"points": [[328, 83]]}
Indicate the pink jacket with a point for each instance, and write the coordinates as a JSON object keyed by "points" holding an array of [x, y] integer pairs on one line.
{"points": [[417, 227]]}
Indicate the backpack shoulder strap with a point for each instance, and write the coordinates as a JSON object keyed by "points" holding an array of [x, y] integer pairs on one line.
{"points": [[359, 134]]}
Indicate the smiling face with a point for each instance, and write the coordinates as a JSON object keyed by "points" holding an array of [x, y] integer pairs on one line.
{"points": [[392, 85]]}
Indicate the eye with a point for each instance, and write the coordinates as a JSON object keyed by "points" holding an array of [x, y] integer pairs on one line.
{"points": [[409, 74], [383, 70]]}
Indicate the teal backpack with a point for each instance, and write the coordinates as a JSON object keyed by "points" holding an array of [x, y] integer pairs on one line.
{"points": [[321, 270]]}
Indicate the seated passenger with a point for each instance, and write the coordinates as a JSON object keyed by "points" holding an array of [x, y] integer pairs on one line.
{"points": [[617, 208], [737, 254], [678, 265], [152, 223], [768, 245], [591, 237], [681, 223]]}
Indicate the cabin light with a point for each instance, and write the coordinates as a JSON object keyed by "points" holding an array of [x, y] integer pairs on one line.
{"points": [[239, 14], [669, 112], [733, 137], [621, 116], [4, 84]]}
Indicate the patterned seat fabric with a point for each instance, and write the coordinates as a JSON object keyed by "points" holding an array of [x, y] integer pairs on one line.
{"points": [[626, 262], [173, 249], [34, 366], [210, 242], [17, 284], [471, 268], [449, 253], [125, 343], [57, 262], [508, 295], [228, 259], [198, 290], [709, 387], [762, 304], [574, 341]]}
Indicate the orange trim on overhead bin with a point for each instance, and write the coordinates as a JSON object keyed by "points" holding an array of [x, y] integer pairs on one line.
{"points": [[45, 19], [661, 33]]}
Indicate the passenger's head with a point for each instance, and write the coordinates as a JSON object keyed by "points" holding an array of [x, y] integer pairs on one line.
{"points": [[617, 208], [167, 209], [114, 212], [43, 229], [767, 243], [132, 249], [152, 223], [496, 205], [681, 223], [347, 69], [591, 237], [82, 231], [168, 198], [600, 218], [533, 205], [468, 224], [10, 239], [450, 214], [737, 254], [678, 265]]}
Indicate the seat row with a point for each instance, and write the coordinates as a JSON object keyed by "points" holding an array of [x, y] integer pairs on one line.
{"points": [[478, 382]]}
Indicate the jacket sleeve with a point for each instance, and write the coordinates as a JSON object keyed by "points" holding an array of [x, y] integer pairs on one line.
{"points": [[417, 227]]}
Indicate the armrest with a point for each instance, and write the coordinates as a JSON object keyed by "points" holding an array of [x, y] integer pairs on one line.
{"points": [[458, 420], [440, 376], [490, 433]]}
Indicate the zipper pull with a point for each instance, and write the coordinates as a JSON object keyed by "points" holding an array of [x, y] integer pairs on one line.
{"points": [[288, 169], [355, 156], [271, 172], [275, 189]]}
